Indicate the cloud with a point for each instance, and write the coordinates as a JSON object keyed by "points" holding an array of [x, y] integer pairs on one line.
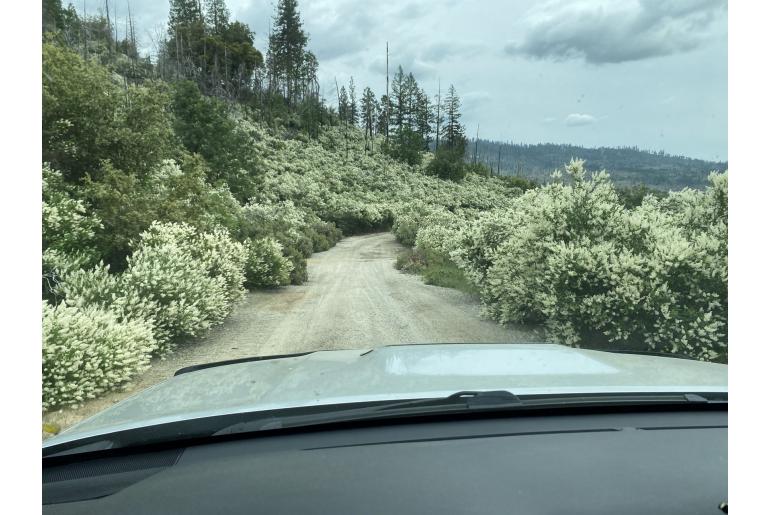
{"points": [[445, 50], [338, 29], [414, 10], [422, 70], [579, 119], [474, 100], [608, 31]]}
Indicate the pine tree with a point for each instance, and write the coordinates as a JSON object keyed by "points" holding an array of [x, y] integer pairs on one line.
{"points": [[382, 117], [424, 118], [410, 93], [186, 33], [453, 132], [286, 50], [344, 105], [353, 110], [368, 113], [398, 100], [217, 16], [182, 13]]}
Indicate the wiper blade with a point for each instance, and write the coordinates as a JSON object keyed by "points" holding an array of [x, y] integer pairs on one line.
{"points": [[468, 399], [463, 402], [457, 403]]}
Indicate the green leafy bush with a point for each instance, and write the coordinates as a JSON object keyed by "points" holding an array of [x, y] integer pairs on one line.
{"points": [[266, 266], [129, 127], [447, 165], [87, 352], [410, 261]]}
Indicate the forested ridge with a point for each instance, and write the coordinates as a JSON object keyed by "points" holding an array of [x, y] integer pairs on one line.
{"points": [[627, 166], [172, 185]]}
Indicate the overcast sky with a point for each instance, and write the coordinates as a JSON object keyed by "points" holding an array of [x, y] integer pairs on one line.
{"points": [[650, 73]]}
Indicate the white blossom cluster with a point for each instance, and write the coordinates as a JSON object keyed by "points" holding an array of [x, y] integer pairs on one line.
{"points": [[570, 256], [178, 283], [88, 351], [68, 229]]}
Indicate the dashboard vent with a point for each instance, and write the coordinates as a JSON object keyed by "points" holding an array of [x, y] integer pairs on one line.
{"points": [[112, 465]]}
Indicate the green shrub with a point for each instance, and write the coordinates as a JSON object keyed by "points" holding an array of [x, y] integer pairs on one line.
{"points": [[129, 127], [436, 269], [266, 266], [447, 165], [69, 231], [410, 261], [298, 274], [87, 352], [406, 146], [406, 222]]}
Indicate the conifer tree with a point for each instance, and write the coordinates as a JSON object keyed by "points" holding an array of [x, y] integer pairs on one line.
{"points": [[382, 115], [453, 132], [410, 93], [368, 113], [398, 100], [353, 109], [344, 105], [286, 51], [217, 16], [424, 118]]}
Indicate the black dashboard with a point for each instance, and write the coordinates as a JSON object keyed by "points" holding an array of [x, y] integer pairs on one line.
{"points": [[614, 463]]}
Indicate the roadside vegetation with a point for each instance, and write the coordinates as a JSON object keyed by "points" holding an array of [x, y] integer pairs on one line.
{"points": [[172, 187], [596, 272]]}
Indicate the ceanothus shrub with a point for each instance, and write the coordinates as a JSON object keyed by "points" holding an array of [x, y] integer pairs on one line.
{"points": [[88, 352], [266, 266], [174, 267]]}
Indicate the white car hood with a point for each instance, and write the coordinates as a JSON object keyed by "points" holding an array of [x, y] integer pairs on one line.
{"points": [[397, 372]]}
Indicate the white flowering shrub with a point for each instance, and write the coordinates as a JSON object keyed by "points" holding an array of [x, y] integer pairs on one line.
{"points": [[86, 287], [569, 256], [438, 231], [406, 222], [225, 258], [87, 352], [67, 226], [192, 286], [266, 266], [68, 231]]}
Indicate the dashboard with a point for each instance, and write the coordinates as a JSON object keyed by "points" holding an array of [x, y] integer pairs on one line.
{"points": [[639, 462]]}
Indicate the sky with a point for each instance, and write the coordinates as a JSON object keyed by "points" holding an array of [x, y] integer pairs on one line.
{"points": [[646, 73]]}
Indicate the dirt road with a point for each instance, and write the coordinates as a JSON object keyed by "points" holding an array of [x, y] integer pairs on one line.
{"points": [[354, 299]]}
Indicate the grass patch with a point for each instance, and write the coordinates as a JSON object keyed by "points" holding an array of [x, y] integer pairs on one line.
{"points": [[436, 269]]}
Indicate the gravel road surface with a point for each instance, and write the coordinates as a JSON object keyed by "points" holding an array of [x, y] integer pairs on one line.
{"points": [[354, 299]]}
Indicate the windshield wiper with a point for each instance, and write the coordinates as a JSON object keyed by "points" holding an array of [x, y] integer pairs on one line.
{"points": [[457, 403], [465, 401]]}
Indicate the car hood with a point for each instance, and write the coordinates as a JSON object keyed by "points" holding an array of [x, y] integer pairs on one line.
{"points": [[396, 372]]}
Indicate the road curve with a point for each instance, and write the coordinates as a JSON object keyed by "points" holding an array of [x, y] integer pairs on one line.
{"points": [[354, 299]]}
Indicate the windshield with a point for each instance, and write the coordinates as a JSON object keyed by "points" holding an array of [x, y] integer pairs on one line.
{"points": [[359, 201]]}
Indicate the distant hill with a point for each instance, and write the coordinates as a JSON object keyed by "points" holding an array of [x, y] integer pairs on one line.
{"points": [[627, 165]]}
